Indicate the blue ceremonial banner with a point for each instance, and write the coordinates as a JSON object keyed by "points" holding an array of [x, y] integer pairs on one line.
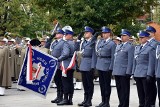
{"points": [[43, 68]]}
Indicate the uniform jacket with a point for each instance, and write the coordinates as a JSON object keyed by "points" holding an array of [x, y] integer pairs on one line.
{"points": [[11, 59], [87, 49], [157, 66], [123, 61], [105, 54], [153, 43], [67, 53], [144, 61], [17, 62], [56, 49], [5, 73]]}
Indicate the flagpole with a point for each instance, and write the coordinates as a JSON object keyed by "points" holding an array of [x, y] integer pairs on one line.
{"points": [[55, 28]]}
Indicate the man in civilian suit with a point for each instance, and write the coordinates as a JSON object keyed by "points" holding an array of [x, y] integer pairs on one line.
{"points": [[105, 49], [122, 68], [143, 69]]}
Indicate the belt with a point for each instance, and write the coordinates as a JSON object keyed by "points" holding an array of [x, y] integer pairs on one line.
{"points": [[104, 56]]}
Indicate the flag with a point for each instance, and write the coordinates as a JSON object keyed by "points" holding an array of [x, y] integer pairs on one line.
{"points": [[70, 66], [37, 71]]}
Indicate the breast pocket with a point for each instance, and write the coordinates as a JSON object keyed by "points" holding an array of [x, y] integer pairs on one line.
{"points": [[88, 51], [144, 56], [106, 51]]}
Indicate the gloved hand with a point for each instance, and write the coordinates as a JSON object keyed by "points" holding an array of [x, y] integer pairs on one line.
{"points": [[92, 72], [92, 69], [97, 34], [17, 51], [110, 71], [52, 36], [148, 78], [80, 36], [128, 75]]}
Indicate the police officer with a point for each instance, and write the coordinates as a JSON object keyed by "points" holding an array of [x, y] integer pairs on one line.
{"points": [[56, 50], [152, 43], [65, 58], [143, 67], [87, 64], [157, 73], [122, 68], [105, 49]]}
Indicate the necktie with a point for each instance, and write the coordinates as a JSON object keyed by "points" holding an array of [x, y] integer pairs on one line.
{"points": [[86, 41], [121, 45], [104, 41], [141, 47]]}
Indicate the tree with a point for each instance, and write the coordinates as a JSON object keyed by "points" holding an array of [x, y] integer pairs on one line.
{"points": [[29, 16], [97, 13], [22, 17], [12, 18]]}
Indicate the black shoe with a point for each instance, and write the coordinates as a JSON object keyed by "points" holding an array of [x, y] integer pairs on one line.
{"points": [[70, 103], [70, 99], [105, 105], [82, 103], [101, 104], [59, 100], [87, 104], [64, 102], [21, 90], [55, 100]]}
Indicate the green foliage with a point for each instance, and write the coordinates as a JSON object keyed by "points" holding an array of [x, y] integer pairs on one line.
{"points": [[117, 14], [22, 18], [38, 15]]}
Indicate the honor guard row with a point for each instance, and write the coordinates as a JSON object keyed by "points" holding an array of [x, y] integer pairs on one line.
{"points": [[122, 60]]}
